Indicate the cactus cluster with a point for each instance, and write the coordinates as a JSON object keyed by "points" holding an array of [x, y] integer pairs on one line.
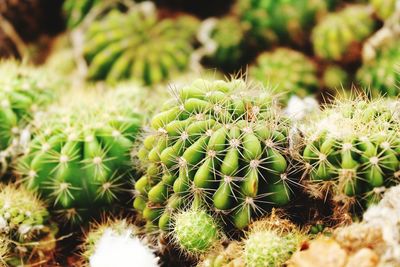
{"points": [[25, 226], [286, 71], [220, 145], [79, 160], [352, 149], [381, 75], [274, 21], [146, 49], [338, 35], [384, 8]]}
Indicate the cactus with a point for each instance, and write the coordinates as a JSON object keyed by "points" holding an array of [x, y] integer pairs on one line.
{"points": [[116, 242], [339, 35], [145, 48], [219, 145], [280, 21], [76, 11], [228, 256], [352, 150], [286, 71], [195, 231], [23, 91], [335, 78], [24, 222], [79, 158], [384, 8], [226, 42], [381, 75]]}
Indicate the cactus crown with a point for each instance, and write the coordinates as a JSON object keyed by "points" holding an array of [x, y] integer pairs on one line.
{"points": [[146, 49], [221, 145]]}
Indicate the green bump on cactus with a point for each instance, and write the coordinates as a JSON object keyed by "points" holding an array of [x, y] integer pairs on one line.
{"points": [[384, 8], [221, 145], [280, 20], [79, 160], [381, 75], [24, 221], [195, 231], [286, 71], [145, 48], [352, 148], [76, 11], [338, 36]]}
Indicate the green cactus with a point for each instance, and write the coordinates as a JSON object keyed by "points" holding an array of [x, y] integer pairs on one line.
{"points": [[381, 75], [286, 71], [338, 36], [195, 231], [79, 158], [351, 149], [384, 8], [220, 145], [139, 46], [335, 78], [24, 222], [23, 91], [76, 11], [285, 21]]}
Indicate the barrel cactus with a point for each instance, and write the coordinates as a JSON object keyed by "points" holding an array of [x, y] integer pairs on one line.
{"points": [[339, 35], [384, 8], [352, 150], [221, 145], [145, 48], [286, 71], [280, 21], [79, 160], [23, 91], [381, 75], [25, 226]]}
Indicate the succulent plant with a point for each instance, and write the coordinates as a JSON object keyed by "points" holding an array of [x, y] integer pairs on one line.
{"points": [[280, 21], [352, 150], [335, 78], [23, 91], [79, 160], [219, 145], [384, 8], [339, 35], [145, 48], [286, 71], [116, 242], [24, 224], [381, 75], [76, 11]]}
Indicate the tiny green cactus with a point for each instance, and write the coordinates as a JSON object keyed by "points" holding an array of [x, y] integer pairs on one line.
{"points": [[24, 222], [76, 11], [352, 149], [384, 8], [285, 21], [338, 35], [145, 48], [195, 231], [221, 145], [286, 71], [381, 75], [79, 160]]}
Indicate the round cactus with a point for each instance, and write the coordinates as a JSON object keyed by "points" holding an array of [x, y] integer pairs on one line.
{"points": [[286, 71], [352, 149], [283, 20], [220, 145], [384, 8], [24, 221], [79, 159], [338, 36], [145, 48], [381, 75], [195, 231]]}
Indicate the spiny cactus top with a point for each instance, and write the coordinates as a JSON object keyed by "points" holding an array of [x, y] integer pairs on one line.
{"points": [[280, 20], [75, 11], [138, 45], [286, 71], [381, 75], [384, 8], [352, 149], [220, 145], [24, 221], [338, 35], [79, 159]]}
